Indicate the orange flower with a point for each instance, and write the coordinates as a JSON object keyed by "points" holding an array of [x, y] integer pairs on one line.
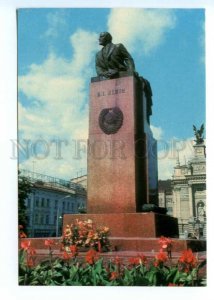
{"points": [[25, 244], [105, 229], [49, 243], [114, 275], [67, 231], [91, 256]]}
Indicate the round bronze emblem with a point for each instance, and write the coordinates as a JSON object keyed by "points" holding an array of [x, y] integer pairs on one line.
{"points": [[110, 120]]}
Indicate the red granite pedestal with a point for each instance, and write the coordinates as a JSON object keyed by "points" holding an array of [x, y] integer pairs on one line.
{"points": [[118, 172], [117, 177]]}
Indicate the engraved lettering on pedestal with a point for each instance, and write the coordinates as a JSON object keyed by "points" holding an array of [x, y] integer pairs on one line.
{"points": [[110, 120]]}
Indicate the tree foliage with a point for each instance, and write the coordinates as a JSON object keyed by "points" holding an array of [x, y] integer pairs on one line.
{"points": [[24, 189]]}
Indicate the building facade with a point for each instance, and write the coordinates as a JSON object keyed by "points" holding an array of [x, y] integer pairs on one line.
{"points": [[189, 194], [185, 195], [49, 200], [165, 195]]}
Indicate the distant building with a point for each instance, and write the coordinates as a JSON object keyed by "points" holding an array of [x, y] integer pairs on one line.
{"points": [[49, 200], [189, 193], [165, 195], [81, 180], [185, 195]]}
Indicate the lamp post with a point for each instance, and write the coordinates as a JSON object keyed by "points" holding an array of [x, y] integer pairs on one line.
{"points": [[58, 215]]}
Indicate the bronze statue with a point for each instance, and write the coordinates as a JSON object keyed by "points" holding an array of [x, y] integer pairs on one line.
{"points": [[112, 58], [199, 134]]}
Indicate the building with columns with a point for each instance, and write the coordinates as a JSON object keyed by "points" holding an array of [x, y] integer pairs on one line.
{"points": [[189, 193]]}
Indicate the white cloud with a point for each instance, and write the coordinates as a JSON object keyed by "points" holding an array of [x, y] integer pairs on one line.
{"points": [[56, 21], [169, 152], [157, 132], [141, 30], [58, 91]]}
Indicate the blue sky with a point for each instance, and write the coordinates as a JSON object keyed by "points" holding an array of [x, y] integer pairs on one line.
{"points": [[56, 49]]}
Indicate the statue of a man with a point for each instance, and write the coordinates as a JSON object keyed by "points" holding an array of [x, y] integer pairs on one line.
{"points": [[112, 58]]}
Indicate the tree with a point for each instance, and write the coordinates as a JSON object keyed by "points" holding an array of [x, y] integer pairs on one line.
{"points": [[24, 189]]}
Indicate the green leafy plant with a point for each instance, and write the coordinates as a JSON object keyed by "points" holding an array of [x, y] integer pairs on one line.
{"points": [[95, 271]]}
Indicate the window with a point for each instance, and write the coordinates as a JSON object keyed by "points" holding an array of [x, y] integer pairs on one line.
{"points": [[56, 204], [36, 219], [48, 202], [43, 202], [68, 205], [41, 219], [47, 219], [37, 202]]}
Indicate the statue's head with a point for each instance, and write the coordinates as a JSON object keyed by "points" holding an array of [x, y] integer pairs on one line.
{"points": [[105, 38]]}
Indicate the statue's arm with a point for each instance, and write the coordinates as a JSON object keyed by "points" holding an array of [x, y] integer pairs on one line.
{"points": [[127, 58], [99, 69]]}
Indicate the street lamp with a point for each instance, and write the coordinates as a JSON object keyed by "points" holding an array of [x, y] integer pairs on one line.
{"points": [[58, 216]]}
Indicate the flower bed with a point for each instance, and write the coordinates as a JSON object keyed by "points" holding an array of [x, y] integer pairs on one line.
{"points": [[93, 270]]}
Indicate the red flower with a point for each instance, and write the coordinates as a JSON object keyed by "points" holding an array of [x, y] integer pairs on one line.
{"points": [[31, 251], [188, 258], [91, 256], [73, 249], [165, 242], [161, 257], [49, 243], [66, 255], [134, 261], [117, 260], [30, 262], [25, 244]]}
